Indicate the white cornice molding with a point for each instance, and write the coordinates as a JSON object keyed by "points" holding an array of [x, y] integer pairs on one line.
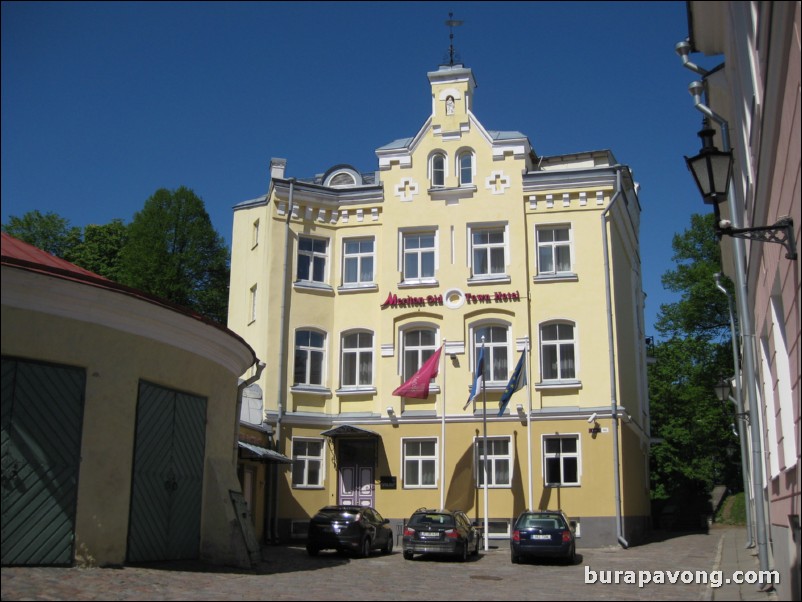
{"points": [[116, 310]]}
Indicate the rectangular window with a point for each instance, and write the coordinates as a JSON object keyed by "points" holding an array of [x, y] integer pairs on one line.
{"points": [[419, 346], [307, 462], [420, 463], [499, 461], [253, 303], [561, 460], [488, 248], [554, 250], [358, 259], [255, 234], [419, 257], [312, 254]]}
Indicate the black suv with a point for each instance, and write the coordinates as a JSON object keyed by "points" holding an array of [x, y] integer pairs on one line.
{"points": [[542, 534], [440, 532], [357, 529]]}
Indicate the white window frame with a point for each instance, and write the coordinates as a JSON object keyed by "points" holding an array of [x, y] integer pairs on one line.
{"points": [[466, 154], [423, 352], [494, 379], [306, 458], [552, 247], [558, 343], [359, 256], [504, 245], [313, 255], [561, 456], [493, 458], [441, 155], [419, 460], [309, 350], [360, 353], [420, 251]]}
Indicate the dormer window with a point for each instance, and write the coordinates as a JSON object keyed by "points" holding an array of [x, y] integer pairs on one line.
{"points": [[342, 176], [438, 170], [342, 179]]}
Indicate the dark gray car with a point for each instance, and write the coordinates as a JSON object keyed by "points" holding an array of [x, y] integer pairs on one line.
{"points": [[357, 529], [440, 532]]}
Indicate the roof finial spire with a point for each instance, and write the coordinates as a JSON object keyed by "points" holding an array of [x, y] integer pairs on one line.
{"points": [[452, 23]]}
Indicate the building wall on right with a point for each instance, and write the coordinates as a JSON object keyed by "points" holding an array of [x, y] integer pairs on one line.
{"points": [[758, 93]]}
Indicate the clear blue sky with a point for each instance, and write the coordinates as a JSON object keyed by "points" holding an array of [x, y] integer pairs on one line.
{"points": [[103, 103]]}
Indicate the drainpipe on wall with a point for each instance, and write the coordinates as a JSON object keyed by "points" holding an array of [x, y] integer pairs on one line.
{"points": [[619, 525], [282, 364], [739, 405], [748, 335]]}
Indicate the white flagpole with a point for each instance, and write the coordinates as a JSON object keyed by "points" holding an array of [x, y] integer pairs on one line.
{"points": [[529, 427], [484, 463], [443, 437]]}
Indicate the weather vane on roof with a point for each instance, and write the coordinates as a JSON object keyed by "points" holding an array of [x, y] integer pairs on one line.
{"points": [[452, 23]]}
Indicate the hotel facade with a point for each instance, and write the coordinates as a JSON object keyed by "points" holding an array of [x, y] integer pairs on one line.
{"points": [[463, 242]]}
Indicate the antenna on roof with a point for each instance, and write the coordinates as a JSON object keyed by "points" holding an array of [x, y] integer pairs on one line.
{"points": [[452, 23]]}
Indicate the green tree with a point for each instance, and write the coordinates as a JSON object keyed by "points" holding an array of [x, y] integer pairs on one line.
{"points": [[100, 248], [695, 439], [173, 252], [49, 232]]}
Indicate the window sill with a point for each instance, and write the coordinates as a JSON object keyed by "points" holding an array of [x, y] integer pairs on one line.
{"points": [[560, 485], [418, 283], [312, 286], [346, 391], [311, 390], [501, 279], [563, 277], [559, 384], [357, 288]]}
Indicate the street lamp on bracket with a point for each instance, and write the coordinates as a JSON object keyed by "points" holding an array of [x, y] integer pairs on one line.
{"points": [[712, 170]]}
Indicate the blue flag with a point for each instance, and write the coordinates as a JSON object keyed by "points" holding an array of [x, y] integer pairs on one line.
{"points": [[517, 381], [478, 378]]}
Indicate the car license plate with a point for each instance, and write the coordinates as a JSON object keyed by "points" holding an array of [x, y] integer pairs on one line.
{"points": [[426, 535], [541, 536]]}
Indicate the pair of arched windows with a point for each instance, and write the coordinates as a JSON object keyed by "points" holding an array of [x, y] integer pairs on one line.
{"points": [[465, 166]]}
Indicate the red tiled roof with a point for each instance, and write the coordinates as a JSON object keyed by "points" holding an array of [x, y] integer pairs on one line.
{"points": [[14, 248]]}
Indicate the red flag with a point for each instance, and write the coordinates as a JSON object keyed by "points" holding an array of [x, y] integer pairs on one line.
{"points": [[418, 385]]}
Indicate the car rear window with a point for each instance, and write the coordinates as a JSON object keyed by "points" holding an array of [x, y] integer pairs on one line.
{"points": [[336, 514], [433, 519], [541, 521]]}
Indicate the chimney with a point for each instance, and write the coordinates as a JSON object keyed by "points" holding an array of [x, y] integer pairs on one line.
{"points": [[277, 167]]}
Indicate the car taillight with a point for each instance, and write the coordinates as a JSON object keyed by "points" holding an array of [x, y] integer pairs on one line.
{"points": [[409, 532], [566, 536], [516, 535], [452, 534]]}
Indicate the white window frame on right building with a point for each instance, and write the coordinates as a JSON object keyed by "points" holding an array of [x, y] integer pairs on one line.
{"points": [[551, 251], [559, 458], [302, 460]]}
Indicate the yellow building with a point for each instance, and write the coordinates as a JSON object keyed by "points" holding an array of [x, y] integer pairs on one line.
{"points": [[464, 240]]}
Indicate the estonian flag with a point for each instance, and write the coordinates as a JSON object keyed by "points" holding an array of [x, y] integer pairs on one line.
{"points": [[478, 378], [517, 381], [418, 385]]}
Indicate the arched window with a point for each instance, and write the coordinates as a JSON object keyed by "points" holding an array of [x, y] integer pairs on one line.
{"points": [[419, 345], [465, 166], [496, 346], [357, 359], [438, 170], [310, 354], [557, 351]]}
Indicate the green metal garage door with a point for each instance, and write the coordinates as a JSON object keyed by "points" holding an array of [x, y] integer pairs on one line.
{"points": [[42, 417], [168, 475]]}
